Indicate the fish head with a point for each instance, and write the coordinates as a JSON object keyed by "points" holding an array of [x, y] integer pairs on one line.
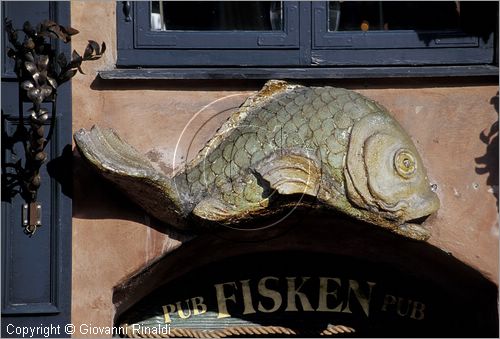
{"points": [[386, 179]]}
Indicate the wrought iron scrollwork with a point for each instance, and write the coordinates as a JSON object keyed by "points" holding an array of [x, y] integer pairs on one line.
{"points": [[40, 71]]}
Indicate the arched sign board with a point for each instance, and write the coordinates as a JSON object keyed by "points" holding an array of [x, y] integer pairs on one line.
{"points": [[315, 294]]}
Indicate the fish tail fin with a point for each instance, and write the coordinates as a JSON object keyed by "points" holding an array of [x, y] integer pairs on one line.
{"points": [[132, 172]]}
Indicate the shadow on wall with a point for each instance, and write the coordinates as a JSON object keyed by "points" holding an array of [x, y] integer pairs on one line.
{"points": [[100, 84], [95, 198], [10, 181], [193, 85], [60, 169], [488, 163]]}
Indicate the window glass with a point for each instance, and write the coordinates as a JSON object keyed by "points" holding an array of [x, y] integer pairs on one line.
{"points": [[395, 15], [216, 16]]}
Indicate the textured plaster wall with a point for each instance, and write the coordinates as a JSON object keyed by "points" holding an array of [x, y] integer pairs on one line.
{"points": [[450, 123]]}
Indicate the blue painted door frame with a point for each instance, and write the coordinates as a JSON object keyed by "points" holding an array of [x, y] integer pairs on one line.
{"points": [[36, 271]]}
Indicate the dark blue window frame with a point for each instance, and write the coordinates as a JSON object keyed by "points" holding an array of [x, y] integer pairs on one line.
{"points": [[139, 46], [285, 39], [305, 43], [402, 47]]}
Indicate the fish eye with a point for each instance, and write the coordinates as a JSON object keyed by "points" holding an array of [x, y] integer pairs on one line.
{"points": [[404, 163]]}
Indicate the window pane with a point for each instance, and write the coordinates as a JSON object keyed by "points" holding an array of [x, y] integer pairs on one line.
{"points": [[396, 15], [217, 15]]}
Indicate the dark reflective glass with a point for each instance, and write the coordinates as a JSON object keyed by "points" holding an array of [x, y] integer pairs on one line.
{"points": [[216, 15], [404, 15]]}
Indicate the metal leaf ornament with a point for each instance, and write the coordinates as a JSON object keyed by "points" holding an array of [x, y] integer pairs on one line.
{"points": [[40, 72]]}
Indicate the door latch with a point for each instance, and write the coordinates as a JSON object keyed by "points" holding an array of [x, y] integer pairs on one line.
{"points": [[32, 217]]}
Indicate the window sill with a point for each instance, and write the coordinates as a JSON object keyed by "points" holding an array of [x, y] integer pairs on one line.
{"points": [[299, 73]]}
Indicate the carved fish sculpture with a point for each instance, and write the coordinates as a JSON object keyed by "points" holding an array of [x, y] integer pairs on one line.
{"points": [[333, 146]]}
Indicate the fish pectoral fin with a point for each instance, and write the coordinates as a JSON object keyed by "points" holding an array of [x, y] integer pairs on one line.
{"points": [[291, 173], [216, 210]]}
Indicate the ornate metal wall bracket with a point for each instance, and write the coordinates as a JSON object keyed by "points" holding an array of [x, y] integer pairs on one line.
{"points": [[40, 71]]}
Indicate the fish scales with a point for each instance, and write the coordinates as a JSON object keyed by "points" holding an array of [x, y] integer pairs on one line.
{"points": [[332, 144], [302, 117]]}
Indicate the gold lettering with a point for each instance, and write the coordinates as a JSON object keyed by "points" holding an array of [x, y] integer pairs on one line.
{"points": [[324, 293], [418, 307], [198, 306], [399, 308], [247, 297], [363, 299], [167, 309], [222, 298], [388, 300], [293, 292], [268, 293], [180, 311]]}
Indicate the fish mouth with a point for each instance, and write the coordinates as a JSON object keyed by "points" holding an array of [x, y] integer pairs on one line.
{"points": [[419, 220], [421, 207], [415, 228]]}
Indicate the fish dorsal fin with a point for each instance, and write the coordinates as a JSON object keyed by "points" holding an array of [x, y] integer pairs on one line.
{"points": [[291, 173], [272, 88]]}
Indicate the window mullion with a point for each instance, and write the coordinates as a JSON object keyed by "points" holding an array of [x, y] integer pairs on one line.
{"points": [[306, 30]]}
